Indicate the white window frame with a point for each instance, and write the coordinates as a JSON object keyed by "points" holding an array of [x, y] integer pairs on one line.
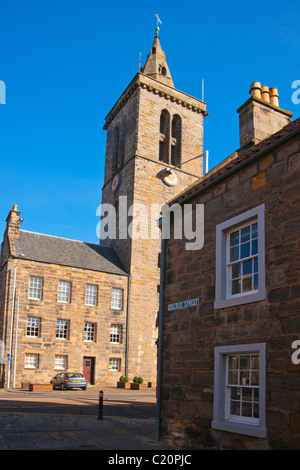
{"points": [[115, 364], [62, 329], [60, 362], [222, 419], [33, 327], [35, 288], [115, 334], [90, 295], [89, 332], [223, 298], [64, 292], [31, 361], [116, 299]]}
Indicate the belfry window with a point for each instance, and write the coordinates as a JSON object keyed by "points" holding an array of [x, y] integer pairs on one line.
{"points": [[170, 138], [176, 140], [164, 128]]}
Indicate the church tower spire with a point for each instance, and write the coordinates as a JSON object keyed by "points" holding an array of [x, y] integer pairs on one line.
{"points": [[156, 65]]}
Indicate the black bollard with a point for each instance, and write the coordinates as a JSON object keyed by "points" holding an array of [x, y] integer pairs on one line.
{"points": [[100, 409]]}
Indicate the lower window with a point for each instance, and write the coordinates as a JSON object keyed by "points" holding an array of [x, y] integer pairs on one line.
{"points": [[240, 389], [114, 364], [31, 361]]}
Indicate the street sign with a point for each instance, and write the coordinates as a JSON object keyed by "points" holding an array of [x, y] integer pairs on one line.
{"points": [[185, 304]]}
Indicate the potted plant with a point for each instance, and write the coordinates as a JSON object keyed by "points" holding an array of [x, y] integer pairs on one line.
{"points": [[138, 383], [123, 382]]}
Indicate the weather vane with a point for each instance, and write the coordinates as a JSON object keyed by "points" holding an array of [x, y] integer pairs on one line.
{"points": [[158, 21]]}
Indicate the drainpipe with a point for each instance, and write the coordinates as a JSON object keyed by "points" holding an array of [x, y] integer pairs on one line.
{"points": [[16, 341], [160, 337], [11, 325], [127, 327]]}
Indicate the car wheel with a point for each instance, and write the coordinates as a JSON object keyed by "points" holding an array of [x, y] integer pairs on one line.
{"points": [[83, 388], [62, 387]]}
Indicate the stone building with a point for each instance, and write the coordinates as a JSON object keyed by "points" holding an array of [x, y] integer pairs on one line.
{"points": [[230, 347], [150, 126], [63, 306]]}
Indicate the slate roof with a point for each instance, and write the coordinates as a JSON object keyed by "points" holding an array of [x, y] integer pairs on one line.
{"points": [[234, 160], [62, 251]]}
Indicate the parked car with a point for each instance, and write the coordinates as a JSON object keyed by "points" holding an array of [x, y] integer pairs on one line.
{"points": [[66, 380]]}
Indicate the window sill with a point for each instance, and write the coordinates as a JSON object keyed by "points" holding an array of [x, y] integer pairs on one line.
{"points": [[244, 299], [239, 428]]}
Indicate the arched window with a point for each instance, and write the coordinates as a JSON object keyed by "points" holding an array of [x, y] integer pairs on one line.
{"points": [[176, 140], [164, 138]]}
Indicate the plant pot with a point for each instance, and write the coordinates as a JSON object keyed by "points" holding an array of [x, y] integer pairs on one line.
{"points": [[123, 385], [135, 386]]}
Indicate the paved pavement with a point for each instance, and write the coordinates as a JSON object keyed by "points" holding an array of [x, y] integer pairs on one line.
{"points": [[57, 431]]}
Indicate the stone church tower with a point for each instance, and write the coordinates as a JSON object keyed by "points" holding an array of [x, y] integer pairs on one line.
{"points": [[151, 126]]}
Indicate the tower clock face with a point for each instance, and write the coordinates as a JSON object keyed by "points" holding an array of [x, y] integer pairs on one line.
{"points": [[171, 180], [115, 184]]}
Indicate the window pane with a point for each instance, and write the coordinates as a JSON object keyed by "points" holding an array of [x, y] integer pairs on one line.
{"points": [[247, 267], [236, 286], [234, 254], [254, 247], [245, 250], [234, 238], [245, 362], [247, 409], [236, 270], [233, 362], [247, 284], [245, 234], [254, 231], [233, 378]]}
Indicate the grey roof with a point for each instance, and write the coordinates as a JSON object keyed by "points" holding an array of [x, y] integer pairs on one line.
{"points": [[65, 252]]}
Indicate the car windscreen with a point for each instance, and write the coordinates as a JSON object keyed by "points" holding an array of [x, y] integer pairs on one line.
{"points": [[74, 374]]}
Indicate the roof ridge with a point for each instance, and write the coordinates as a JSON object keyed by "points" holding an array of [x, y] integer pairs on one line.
{"points": [[61, 238]]}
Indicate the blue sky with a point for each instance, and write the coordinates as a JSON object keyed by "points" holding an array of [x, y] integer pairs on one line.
{"points": [[65, 63]]}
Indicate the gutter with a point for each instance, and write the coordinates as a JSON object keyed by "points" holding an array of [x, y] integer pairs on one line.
{"points": [[160, 338]]}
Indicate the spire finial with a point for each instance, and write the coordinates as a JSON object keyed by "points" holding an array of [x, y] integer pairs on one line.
{"points": [[158, 21]]}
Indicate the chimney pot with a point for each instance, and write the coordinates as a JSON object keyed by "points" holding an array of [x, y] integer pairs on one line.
{"points": [[15, 207], [265, 93], [274, 97], [255, 89]]}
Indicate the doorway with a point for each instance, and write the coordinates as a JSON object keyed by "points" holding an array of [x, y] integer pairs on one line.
{"points": [[89, 369]]}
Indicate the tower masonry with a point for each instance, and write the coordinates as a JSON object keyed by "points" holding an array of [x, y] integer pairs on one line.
{"points": [[151, 126]]}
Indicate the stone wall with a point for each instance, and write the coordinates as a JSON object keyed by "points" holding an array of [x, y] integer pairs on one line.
{"points": [[190, 335], [76, 312]]}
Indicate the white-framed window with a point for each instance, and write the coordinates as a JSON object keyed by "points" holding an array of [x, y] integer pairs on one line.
{"points": [[240, 259], [89, 333], [35, 288], [116, 299], [90, 295], [62, 329], [239, 389], [33, 327], [114, 364], [115, 334], [60, 362], [64, 289], [31, 361]]}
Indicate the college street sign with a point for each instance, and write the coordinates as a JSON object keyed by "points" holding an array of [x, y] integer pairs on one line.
{"points": [[185, 304]]}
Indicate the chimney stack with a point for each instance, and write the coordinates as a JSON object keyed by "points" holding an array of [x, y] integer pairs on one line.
{"points": [[260, 115]]}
